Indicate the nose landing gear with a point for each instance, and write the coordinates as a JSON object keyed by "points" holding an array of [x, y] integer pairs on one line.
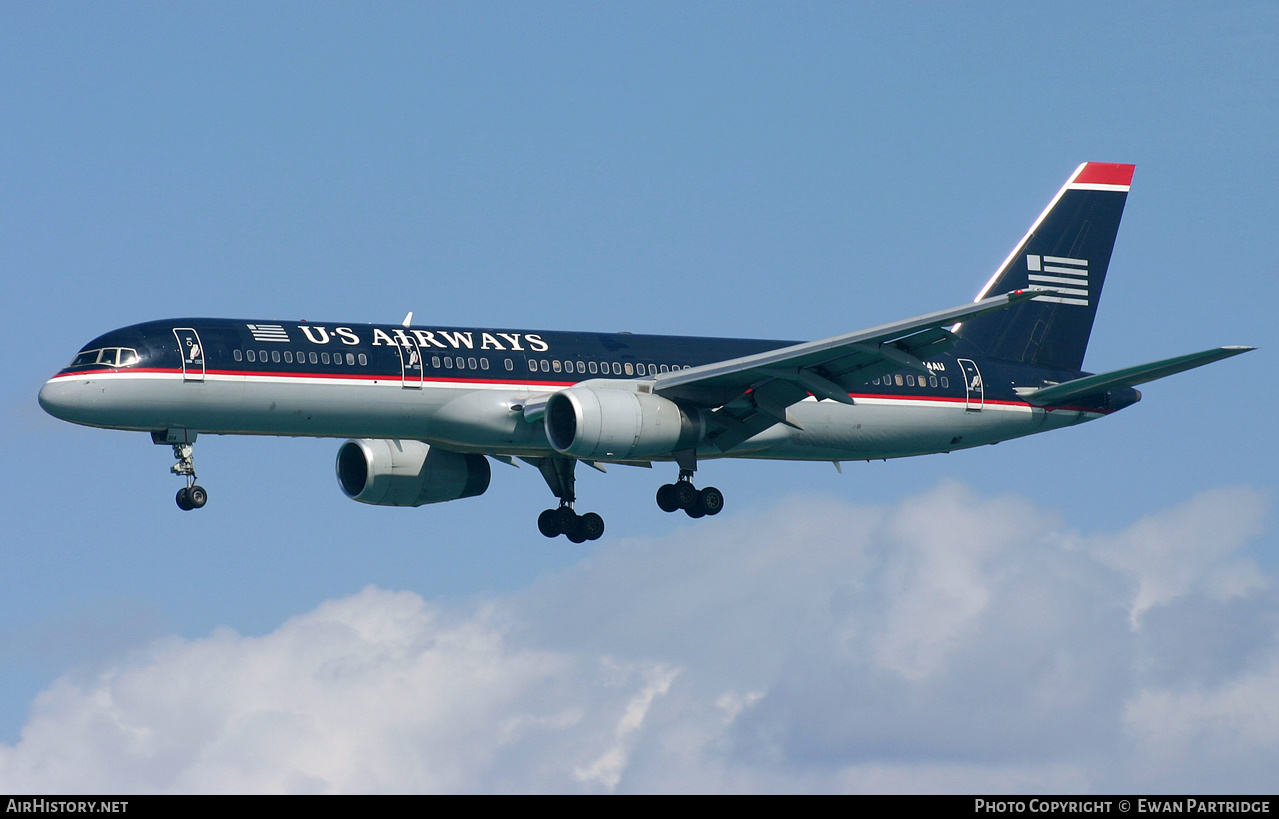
{"points": [[191, 496]]}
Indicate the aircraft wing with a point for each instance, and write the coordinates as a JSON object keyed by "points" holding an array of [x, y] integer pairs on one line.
{"points": [[751, 393], [1129, 376]]}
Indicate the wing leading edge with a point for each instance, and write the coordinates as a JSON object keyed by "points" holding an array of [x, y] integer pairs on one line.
{"points": [[751, 393]]}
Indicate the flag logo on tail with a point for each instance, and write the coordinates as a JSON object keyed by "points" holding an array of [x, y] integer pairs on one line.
{"points": [[1069, 277]]}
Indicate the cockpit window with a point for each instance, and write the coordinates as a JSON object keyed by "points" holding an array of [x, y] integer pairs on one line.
{"points": [[108, 356]]}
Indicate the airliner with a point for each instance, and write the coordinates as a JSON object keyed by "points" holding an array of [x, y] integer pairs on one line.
{"points": [[424, 408]]}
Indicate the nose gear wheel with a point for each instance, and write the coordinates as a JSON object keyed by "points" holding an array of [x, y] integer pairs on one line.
{"points": [[192, 496]]}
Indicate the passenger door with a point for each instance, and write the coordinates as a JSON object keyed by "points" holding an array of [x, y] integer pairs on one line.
{"points": [[973, 385], [192, 353], [410, 363]]}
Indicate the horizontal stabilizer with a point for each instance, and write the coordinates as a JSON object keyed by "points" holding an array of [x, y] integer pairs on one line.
{"points": [[1129, 376]]}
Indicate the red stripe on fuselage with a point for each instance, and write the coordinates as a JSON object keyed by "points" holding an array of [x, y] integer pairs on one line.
{"points": [[941, 399], [391, 377]]}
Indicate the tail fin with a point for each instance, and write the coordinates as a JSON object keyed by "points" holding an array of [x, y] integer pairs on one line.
{"points": [[1067, 250]]}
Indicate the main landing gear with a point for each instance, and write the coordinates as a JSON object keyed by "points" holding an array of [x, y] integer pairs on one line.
{"points": [[559, 475], [683, 495], [191, 496], [564, 521]]}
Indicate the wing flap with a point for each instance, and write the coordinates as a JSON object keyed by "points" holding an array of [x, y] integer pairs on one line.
{"points": [[742, 372], [829, 368], [748, 395]]}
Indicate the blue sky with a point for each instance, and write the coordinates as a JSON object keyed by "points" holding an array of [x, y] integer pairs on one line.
{"points": [[788, 171]]}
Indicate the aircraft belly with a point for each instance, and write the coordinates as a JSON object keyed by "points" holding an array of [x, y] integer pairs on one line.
{"points": [[874, 429], [349, 409], [236, 405], [488, 419], [140, 401]]}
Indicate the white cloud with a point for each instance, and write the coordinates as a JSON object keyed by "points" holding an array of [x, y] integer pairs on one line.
{"points": [[950, 642], [1191, 547]]}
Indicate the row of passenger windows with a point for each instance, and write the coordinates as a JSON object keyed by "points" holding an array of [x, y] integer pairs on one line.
{"points": [[559, 366], [600, 368], [123, 357], [450, 362], [276, 356], [909, 380], [463, 363], [111, 356]]}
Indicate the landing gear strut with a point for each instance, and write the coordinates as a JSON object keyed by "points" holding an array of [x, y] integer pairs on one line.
{"points": [[559, 475], [683, 495], [191, 496]]}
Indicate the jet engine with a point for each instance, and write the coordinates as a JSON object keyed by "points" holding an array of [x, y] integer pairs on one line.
{"points": [[614, 424], [408, 473]]}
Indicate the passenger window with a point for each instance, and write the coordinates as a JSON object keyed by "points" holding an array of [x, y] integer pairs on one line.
{"points": [[664, 368], [593, 367], [484, 363], [275, 356], [546, 366], [555, 365], [470, 362], [448, 362], [251, 355], [532, 365], [617, 368], [510, 365], [898, 380], [237, 355], [910, 380], [288, 356], [932, 381], [314, 359], [630, 369], [945, 382], [350, 359], [435, 361], [364, 360], [324, 357]]}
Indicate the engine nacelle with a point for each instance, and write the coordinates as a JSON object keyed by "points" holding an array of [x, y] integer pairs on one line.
{"points": [[408, 473], [618, 424]]}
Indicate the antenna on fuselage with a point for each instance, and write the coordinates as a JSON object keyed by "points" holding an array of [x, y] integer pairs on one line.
{"points": [[408, 319]]}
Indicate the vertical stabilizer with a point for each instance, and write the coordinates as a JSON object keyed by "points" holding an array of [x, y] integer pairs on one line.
{"points": [[1066, 250]]}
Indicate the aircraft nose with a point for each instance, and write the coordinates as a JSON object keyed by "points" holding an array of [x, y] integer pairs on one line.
{"points": [[63, 398]]}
